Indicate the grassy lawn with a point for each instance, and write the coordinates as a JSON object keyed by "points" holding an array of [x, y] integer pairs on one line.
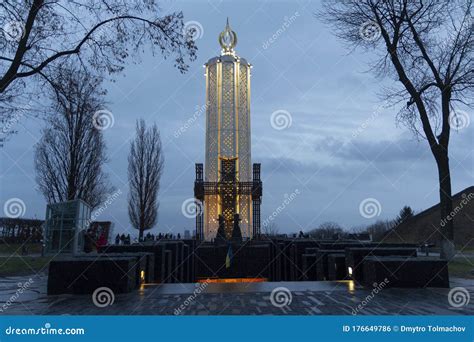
{"points": [[461, 267], [467, 250], [13, 263], [9, 249], [15, 266]]}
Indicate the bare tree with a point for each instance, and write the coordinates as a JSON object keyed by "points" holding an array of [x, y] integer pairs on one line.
{"points": [[426, 45], [378, 230], [71, 153], [271, 229], [326, 230], [37, 35], [145, 166]]}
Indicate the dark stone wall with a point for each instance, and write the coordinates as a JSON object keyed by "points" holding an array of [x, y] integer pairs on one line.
{"points": [[85, 275], [185, 261], [173, 259], [355, 256], [336, 266], [249, 261], [405, 272], [322, 270]]}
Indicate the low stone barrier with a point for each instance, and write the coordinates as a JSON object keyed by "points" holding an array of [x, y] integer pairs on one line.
{"points": [[322, 271], [406, 272], [309, 266], [355, 256], [336, 266], [83, 275]]}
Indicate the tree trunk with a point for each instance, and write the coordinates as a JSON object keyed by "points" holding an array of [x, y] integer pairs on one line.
{"points": [[446, 207], [140, 234]]}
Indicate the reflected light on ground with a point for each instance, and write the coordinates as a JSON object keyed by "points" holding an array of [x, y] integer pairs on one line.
{"points": [[351, 286], [349, 283], [233, 280]]}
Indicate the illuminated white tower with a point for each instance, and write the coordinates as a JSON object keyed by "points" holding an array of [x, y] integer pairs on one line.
{"points": [[227, 137]]}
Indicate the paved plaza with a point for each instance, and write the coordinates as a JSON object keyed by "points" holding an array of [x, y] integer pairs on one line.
{"points": [[297, 298]]}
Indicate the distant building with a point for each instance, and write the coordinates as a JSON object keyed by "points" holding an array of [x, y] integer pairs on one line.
{"points": [[426, 226]]}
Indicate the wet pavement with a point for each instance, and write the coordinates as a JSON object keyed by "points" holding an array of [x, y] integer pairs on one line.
{"points": [[26, 295]]}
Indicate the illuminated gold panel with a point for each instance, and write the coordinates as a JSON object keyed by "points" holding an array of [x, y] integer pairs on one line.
{"points": [[227, 134]]}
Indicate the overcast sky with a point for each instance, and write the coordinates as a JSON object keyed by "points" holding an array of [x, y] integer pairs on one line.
{"points": [[340, 149]]}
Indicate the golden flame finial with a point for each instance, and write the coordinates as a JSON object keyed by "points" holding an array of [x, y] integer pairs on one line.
{"points": [[228, 39]]}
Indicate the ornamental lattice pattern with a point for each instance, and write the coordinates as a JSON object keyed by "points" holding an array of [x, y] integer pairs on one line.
{"points": [[227, 136], [211, 126], [227, 130]]}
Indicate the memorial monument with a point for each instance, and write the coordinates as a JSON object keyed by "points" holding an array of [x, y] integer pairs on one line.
{"points": [[228, 186]]}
